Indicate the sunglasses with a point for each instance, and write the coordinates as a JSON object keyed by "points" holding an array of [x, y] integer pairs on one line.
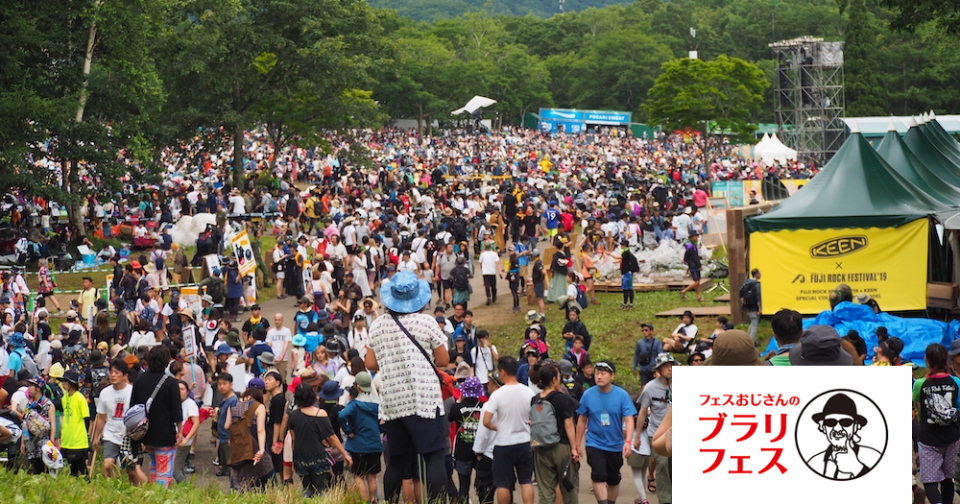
{"points": [[697, 360], [832, 422], [604, 366]]}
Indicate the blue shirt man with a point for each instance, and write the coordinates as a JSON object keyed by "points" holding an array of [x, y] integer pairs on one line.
{"points": [[602, 412]]}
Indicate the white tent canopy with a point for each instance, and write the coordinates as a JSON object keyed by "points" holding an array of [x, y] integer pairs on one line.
{"points": [[477, 102], [772, 150]]}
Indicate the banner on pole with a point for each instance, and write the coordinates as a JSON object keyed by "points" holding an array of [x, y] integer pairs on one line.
{"points": [[243, 251], [801, 267]]}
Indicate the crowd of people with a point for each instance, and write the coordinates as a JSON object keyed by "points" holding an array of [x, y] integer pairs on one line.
{"points": [[365, 378]]}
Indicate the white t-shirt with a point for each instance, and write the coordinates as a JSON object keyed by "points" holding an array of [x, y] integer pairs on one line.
{"points": [[139, 338], [277, 338], [113, 404], [410, 385], [189, 409], [512, 405], [690, 331], [488, 262], [238, 204], [409, 265], [483, 362]]}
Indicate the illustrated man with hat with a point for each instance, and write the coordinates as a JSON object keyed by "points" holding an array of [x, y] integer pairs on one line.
{"points": [[845, 457]]}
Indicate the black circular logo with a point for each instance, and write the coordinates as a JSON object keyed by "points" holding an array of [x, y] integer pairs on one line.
{"points": [[841, 434]]}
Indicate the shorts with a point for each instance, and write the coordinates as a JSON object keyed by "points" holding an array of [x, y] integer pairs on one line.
{"points": [[638, 461], [45, 294], [465, 466], [937, 463], [447, 284], [353, 249], [604, 466], [416, 434], [365, 463], [110, 450], [512, 463], [538, 290], [695, 274]]}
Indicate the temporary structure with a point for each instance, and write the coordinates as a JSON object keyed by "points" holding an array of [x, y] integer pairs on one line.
{"points": [[772, 150], [859, 222]]}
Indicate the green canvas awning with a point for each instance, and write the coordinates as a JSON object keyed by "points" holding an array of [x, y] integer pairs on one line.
{"points": [[946, 146], [942, 166], [906, 163], [948, 139], [857, 188]]}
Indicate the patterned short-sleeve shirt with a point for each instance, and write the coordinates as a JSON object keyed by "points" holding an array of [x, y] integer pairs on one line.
{"points": [[409, 384]]}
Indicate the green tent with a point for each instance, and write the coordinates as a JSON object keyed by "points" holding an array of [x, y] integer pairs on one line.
{"points": [[930, 155], [940, 132], [857, 188], [898, 155], [947, 147]]}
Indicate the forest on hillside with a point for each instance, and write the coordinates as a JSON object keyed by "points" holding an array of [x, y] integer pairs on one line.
{"points": [[609, 57]]}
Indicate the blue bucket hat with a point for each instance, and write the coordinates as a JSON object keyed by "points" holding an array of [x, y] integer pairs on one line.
{"points": [[331, 391], [16, 340], [405, 293], [299, 340]]}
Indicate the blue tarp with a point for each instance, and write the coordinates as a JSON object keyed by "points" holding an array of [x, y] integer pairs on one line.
{"points": [[916, 333]]}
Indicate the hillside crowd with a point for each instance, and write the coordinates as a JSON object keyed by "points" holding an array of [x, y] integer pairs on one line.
{"points": [[366, 379]]}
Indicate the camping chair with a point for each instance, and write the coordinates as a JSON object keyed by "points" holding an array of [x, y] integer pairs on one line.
{"points": [[719, 274]]}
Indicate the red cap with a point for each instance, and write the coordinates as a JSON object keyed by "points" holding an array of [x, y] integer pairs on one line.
{"points": [[135, 264]]}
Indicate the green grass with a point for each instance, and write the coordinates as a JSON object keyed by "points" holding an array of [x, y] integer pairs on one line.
{"points": [[17, 488], [615, 331]]}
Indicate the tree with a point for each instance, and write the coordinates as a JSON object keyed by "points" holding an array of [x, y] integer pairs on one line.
{"points": [[864, 95], [77, 96], [912, 14], [691, 93], [296, 65]]}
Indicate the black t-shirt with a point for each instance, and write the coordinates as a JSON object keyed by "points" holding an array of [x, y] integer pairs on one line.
{"points": [[333, 412], [466, 414], [165, 411], [275, 409], [309, 433], [530, 223], [564, 407], [939, 392], [574, 388], [248, 328]]}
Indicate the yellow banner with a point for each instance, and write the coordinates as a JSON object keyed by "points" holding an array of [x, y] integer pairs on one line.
{"points": [[799, 268]]}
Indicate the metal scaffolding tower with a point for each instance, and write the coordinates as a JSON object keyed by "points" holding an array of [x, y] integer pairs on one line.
{"points": [[809, 96]]}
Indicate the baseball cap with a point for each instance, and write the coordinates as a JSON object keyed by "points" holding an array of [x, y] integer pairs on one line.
{"points": [[955, 347]]}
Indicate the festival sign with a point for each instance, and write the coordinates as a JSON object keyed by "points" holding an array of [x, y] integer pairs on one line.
{"points": [[801, 267], [244, 253], [802, 434]]}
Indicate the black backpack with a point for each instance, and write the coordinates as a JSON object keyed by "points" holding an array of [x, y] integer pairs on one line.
{"points": [[99, 379], [748, 296], [216, 290], [461, 278]]}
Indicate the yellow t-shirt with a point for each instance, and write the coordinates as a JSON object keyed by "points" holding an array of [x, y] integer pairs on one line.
{"points": [[87, 300], [74, 435]]}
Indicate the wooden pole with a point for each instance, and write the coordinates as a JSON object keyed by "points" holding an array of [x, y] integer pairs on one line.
{"points": [[738, 242]]}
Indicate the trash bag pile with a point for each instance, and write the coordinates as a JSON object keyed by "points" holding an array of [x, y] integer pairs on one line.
{"points": [[662, 263]]}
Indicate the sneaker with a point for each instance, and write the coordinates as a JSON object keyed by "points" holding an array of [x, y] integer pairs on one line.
{"points": [[216, 462], [188, 468]]}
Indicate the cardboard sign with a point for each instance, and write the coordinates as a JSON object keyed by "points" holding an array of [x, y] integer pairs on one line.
{"points": [[243, 251], [189, 342]]}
